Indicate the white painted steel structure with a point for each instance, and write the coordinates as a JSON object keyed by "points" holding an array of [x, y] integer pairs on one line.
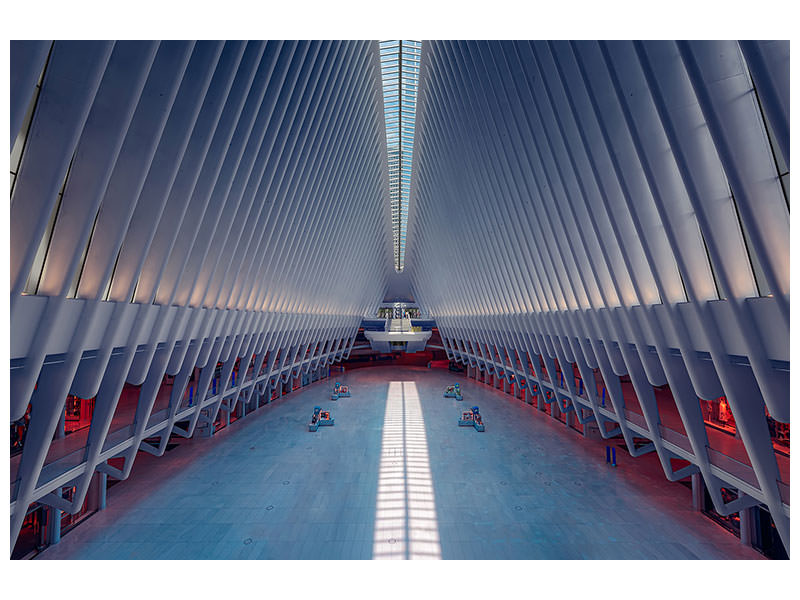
{"points": [[620, 206], [209, 201]]}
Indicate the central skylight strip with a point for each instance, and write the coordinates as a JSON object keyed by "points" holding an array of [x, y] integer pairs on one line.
{"points": [[400, 73]]}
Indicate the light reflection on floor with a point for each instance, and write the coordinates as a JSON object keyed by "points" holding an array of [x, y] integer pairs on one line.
{"points": [[268, 489], [405, 515]]}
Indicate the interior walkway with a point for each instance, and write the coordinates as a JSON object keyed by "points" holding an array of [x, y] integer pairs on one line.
{"points": [[396, 478]]}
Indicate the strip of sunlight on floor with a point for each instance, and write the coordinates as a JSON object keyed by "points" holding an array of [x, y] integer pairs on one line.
{"points": [[405, 515]]}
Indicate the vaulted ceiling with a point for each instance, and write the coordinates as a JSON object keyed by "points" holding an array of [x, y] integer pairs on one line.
{"points": [[620, 206]]}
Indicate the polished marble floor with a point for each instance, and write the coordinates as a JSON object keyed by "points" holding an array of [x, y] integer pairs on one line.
{"points": [[395, 477]]}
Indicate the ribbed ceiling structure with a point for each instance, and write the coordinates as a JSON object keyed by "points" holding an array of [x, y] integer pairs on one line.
{"points": [[175, 205], [620, 208]]}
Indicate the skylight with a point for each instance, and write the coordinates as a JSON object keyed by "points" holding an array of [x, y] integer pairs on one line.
{"points": [[400, 73]]}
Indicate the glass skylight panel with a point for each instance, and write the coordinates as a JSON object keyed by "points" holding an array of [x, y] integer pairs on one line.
{"points": [[400, 72]]}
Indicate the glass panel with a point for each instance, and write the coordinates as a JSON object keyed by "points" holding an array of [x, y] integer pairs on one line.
{"points": [[400, 71]]}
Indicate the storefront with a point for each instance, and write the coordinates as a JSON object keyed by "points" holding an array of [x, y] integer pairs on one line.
{"points": [[77, 413], [717, 413]]}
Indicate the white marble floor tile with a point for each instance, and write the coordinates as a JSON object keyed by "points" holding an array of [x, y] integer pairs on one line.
{"points": [[266, 488]]}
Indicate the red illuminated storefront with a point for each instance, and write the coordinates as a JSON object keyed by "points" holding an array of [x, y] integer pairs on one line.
{"points": [[77, 413], [717, 414]]}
